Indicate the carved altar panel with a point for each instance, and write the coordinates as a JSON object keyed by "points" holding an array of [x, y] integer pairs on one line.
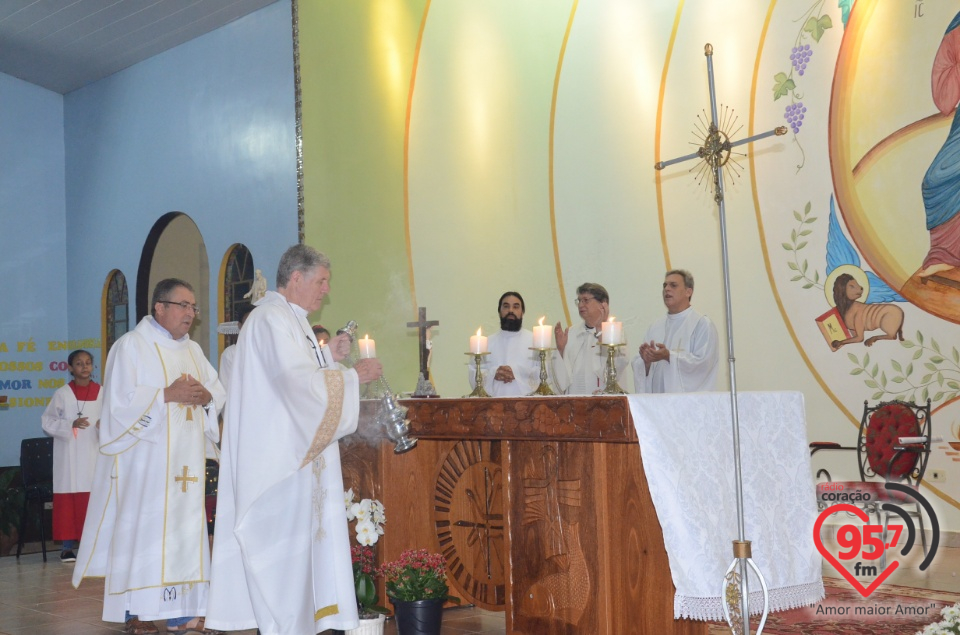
{"points": [[569, 418], [539, 505], [554, 521]]}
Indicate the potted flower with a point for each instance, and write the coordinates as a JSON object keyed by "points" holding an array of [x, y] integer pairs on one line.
{"points": [[417, 587], [369, 517]]}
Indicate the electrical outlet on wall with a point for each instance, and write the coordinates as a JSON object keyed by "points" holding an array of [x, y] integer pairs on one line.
{"points": [[936, 476]]}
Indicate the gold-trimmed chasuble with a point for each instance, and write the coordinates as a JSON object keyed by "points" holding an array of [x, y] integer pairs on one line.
{"points": [[185, 531]]}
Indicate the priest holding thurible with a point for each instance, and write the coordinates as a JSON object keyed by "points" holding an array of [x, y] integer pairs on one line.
{"points": [[281, 556]]}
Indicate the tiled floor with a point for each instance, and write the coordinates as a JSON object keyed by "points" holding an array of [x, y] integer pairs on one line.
{"points": [[37, 598]]}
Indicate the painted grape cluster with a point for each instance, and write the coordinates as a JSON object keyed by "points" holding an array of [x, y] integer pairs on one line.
{"points": [[794, 115], [799, 56]]}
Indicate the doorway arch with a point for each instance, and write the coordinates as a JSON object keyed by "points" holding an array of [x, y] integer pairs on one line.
{"points": [[174, 248]]}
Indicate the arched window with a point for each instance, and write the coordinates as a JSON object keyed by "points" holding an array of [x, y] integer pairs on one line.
{"points": [[236, 274], [116, 311]]}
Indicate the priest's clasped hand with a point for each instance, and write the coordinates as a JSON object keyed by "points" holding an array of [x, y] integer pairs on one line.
{"points": [[187, 390], [652, 352], [504, 374], [368, 369]]}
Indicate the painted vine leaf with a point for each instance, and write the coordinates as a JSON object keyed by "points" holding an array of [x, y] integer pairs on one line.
{"points": [[816, 26], [782, 85]]}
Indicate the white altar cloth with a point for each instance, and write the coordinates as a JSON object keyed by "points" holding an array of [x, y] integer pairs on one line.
{"points": [[686, 445]]}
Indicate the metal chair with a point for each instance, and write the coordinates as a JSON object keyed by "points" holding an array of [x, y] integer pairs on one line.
{"points": [[893, 445], [36, 470]]}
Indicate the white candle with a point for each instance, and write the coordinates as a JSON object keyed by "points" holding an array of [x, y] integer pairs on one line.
{"points": [[478, 343], [543, 335], [368, 347], [612, 331]]}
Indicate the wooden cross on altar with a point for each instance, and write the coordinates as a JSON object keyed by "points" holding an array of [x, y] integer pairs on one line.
{"points": [[423, 325], [714, 154]]}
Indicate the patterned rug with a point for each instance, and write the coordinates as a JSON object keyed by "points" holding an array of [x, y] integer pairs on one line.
{"points": [[890, 610]]}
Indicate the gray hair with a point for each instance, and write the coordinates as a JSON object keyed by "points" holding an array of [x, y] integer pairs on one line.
{"points": [[164, 289], [596, 290], [683, 273], [302, 258]]}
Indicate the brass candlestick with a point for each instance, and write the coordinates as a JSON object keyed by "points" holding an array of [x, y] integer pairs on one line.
{"points": [[478, 378], [612, 387], [544, 388]]}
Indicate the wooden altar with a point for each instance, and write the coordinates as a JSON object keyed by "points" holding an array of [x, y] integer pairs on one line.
{"points": [[539, 505]]}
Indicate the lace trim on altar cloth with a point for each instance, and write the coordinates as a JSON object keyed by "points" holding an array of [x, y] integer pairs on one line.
{"points": [[710, 609]]}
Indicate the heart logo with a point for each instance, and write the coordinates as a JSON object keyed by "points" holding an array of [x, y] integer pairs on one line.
{"points": [[862, 515]]}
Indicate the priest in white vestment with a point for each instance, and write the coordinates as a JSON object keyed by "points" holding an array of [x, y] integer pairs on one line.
{"points": [[145, 529], [579, 345], [680, 352], [281, 554], [512, 369]]}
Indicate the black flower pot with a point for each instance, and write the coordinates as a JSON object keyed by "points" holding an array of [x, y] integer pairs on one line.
{"points": [[422, 617]]}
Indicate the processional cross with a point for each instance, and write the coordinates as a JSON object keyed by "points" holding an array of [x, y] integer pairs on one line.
{"points": [[714, 154]]}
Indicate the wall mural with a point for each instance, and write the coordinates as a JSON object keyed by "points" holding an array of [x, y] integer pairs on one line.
{"points": [[878, 242], [516, 144]]}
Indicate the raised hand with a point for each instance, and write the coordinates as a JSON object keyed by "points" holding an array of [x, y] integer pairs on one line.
{"points": [[561, 335]]}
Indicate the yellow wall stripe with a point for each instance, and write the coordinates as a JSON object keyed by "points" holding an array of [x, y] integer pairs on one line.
{"points": [[406, 155], [553, 120], [659, 131]]}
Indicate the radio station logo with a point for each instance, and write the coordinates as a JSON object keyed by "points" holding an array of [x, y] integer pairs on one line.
{"points": [[863, 545]]}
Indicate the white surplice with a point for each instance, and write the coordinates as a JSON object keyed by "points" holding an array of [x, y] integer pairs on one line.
{"points": [[512, 348], [586, 361], [694, 355], [74, 450], [146, 527], [281, 556]]}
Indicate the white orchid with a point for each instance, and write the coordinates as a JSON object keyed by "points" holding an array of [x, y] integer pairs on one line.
{"points": [[348, 501], [370, 516], [367, 533]]}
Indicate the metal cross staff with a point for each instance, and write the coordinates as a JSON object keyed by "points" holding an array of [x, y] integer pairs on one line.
{"points": [[715, 152]]}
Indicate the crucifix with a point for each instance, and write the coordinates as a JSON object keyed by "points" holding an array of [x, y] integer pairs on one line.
{"points": [[714, 155], [424, 326]]}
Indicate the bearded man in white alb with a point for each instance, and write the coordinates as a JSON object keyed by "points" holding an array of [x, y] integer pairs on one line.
{"points": [[281, 552], [145, 528], [680, 352], [580, 345], [512, 369]]}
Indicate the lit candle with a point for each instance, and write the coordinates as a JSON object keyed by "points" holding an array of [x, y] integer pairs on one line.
{"points": [[368, 347], [478, 343], [542, 335], [612, 331]]}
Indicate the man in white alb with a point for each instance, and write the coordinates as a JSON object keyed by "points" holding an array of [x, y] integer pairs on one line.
{"points": [[512, 369], [580, 345], [680, 352], [281, 552], [145, 529]]}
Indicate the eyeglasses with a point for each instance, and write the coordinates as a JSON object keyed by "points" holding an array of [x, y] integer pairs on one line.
{"points": [[183, 305], [583, 300]]}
